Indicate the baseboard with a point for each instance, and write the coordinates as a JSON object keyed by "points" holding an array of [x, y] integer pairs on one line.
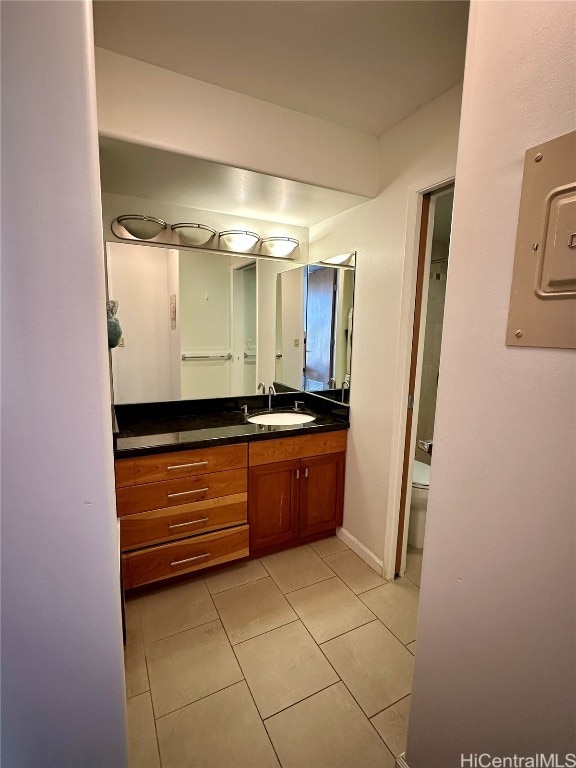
{"points": [[401, 762], [362, 551]]}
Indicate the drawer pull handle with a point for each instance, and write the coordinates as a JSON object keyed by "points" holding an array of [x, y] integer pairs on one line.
{"points": [[184, 466], [187, 493], [192, 522], [190, 559]]}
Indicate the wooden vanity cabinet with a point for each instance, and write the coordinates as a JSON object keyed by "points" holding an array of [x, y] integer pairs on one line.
{"points": [[181, 511], [184, 511], [299, 499]]}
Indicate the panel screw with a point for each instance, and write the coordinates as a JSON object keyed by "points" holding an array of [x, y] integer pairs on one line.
{"points": [[538, 157], [519, 334], [535, 247]]}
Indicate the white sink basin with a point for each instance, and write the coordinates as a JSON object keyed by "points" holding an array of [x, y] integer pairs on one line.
{"points": [[281, 419]]}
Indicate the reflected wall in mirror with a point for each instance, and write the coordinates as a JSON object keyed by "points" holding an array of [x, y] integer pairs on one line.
{"points": [[188, 323], [314, 316]]}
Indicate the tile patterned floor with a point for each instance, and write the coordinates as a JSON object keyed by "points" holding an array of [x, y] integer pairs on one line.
{"points": [[301, 660]]}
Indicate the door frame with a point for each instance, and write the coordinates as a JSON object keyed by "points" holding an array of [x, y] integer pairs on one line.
{"points": [[416, 196]]}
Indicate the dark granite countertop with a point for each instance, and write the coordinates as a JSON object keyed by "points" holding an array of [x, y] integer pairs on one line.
{"points": [[146, 428]]}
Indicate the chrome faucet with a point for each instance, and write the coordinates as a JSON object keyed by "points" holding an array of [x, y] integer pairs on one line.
{"points": [[262, 387], [331, 383], [271, 391], [345, 385]]}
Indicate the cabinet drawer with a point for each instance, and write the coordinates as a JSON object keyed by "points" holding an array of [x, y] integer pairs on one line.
{"points": [[146, 566], [286, 448], [167, 466], [160, 525], [141, 498]]}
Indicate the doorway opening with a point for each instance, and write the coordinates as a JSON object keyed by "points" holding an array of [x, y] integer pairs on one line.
{"points": [[433, 253]]}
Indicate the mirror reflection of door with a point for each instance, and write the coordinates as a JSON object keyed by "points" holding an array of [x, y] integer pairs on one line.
{"points": [[320, 321]]}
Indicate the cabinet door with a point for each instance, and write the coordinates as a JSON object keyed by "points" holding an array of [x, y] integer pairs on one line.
{"points": [[273, 504], [321, 493]]}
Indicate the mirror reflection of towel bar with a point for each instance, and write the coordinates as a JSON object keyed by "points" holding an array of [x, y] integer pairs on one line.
{"points": [[207, 357], [248, 356]]}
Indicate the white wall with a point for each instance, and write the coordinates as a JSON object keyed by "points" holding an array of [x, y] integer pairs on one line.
{"points": [[421, 148], [495, 667], [62, 671], [135, 99]]}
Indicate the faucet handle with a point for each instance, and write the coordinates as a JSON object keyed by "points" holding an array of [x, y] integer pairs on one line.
{"points": [[244, 409], [297, 404]]}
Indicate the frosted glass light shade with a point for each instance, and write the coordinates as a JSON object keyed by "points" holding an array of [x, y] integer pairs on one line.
{"points": [[193, 234], [142, 227], [341, 260], [239, 239], [280, 246]]}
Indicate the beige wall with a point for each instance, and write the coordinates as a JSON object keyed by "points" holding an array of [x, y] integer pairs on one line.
{"points": [[148, 105], [495, 666], [418, 152], [63, 698]]}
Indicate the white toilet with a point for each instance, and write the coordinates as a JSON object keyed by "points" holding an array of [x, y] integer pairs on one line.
{"points": [[418, 504]]}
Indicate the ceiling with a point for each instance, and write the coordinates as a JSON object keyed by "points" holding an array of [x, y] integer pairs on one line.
{"points": [[135, 170], [364, 65]]}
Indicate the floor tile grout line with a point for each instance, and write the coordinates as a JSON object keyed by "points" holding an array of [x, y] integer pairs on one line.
{"points": [[252, 695], [181, 632], [304, 698], [391, 631], [207, 696], [150, 689], [355, 699], [402, 643], [391, 705], [373, 589], [267, 632], [252, 581], [307, 585], [370, 621], [291, 592], [220, 689]]}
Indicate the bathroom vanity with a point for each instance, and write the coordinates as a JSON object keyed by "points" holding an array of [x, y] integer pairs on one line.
{"points": [[197, 485]]}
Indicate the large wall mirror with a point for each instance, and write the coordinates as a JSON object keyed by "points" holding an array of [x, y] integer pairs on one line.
{"points": [[200, 323], [314, 320], [188, 324]]}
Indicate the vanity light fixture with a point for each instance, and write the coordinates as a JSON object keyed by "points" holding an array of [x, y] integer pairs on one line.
{"points": [[142, 227], [193, 234], [239, 239], [280, 246]]}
